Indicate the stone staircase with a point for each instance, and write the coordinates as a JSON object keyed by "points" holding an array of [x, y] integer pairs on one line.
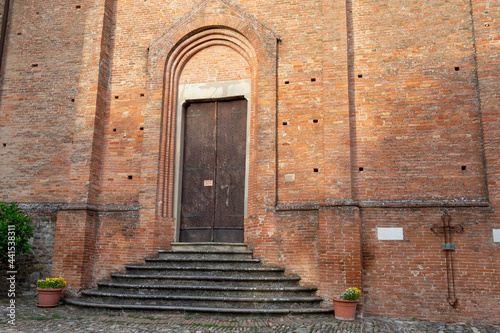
{"points": [[204, 277]]}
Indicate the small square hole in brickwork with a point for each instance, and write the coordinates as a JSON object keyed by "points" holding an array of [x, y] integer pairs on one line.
{"points": [[360, 75], [37, 13], [313, 79], [5, 145], [287, 82], [285, 123], [78, 7], [34, 65], [315, 121], [142, 95], [361, 169], [464, 167], [72, 99], [316, 170], [457, 68], [142, 128], [130, 177], [114, 129], [116, 97], [19, 33]]}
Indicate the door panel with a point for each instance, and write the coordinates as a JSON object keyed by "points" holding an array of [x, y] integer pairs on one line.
{"points": [[213, 179], [230, 171], [197, 208]]}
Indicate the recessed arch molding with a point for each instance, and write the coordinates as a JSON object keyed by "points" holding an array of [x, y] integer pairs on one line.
{"points": [[167, 56]]}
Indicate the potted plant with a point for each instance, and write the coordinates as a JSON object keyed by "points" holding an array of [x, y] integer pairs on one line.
{"points": [[49, 291], [345, 305]]}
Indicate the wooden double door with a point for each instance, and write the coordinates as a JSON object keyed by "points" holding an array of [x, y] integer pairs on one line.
{"points": [[213, 172]]}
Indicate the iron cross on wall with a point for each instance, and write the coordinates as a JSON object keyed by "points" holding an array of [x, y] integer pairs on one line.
{"points": [[446, 229]]}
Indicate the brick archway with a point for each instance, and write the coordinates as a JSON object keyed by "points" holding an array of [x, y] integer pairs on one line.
{"points": [[167, 56], [174, 65]]}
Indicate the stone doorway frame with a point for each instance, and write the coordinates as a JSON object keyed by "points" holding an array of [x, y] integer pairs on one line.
{"points": [[202, 92]]}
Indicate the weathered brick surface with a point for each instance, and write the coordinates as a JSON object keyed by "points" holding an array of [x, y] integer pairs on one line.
{"points": [[40, 78], [215, 64], [486, 32], [384, 112], [75, 247], [411, 93], [409, 276]]}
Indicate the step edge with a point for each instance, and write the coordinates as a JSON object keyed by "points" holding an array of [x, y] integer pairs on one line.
{"points": [[196, 309], [203, 260], [205, 251], [208, 243], [194, 277], [195, 287], [229, 269], [207, 298]]}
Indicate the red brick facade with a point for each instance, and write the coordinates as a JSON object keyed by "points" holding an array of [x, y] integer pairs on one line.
{"points": [[363, 115]]}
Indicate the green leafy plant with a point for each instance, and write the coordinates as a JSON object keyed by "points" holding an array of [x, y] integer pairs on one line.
{"points": [[350, 294], [15, 231], [51, 283]]}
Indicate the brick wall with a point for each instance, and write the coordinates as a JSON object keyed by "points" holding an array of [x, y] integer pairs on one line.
{"points": [[39, 91], [408, 277], [378, 113], [485, 18], [215, 64], [414, 85]]}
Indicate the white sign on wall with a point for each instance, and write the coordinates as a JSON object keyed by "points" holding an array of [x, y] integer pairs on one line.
{"points": [[496, 235], [390, 233]]}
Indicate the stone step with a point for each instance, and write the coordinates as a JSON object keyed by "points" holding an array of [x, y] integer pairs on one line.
{"points": [[205, 290], [232, 247], [187, 254], [211, 263], [204, 271], [259, 281], [229, 311], [203, 301]]}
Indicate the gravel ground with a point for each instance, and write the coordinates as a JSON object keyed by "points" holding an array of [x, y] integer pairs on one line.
{"points": [[66, 318]]}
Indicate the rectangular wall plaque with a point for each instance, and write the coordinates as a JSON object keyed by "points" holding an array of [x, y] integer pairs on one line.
{"points": [[496, 235], [448, 247], [208, 183], [390, 233], [290, 178]]}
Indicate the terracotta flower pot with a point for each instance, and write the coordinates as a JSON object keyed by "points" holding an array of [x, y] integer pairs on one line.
{"points": [[344, 310], [49, 298]]}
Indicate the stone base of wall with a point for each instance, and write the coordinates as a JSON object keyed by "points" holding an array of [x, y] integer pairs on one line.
{"points": [[36, 264], [331, 247]]}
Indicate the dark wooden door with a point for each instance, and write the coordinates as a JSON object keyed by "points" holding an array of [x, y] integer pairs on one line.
{"points": [[213, 177]]}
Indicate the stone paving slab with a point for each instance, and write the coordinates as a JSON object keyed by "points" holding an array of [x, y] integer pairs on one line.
{"points": [[67, 318]]}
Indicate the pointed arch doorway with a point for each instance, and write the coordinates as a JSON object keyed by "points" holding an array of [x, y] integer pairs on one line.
{"points": [[211, 23]]}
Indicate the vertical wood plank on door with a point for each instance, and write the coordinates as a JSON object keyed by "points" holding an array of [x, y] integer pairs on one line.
{"points": [[197, 207], [230, 171]]}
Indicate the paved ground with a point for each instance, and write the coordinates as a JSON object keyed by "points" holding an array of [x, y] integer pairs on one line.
{"points": [[70, 319]]}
